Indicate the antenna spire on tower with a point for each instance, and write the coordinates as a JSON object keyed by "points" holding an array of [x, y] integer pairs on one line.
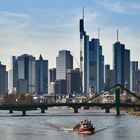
{"points": [[83, 13], [117, 35], [99, 33]]}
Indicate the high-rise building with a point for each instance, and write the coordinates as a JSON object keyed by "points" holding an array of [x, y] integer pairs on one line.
{"points": [[41, 76], [51, 80], [60, 87], [109, 77], [121, 64], [52, 75], [107, 68], [22, 69], [26, 70], [101, 70], [13, 75], [3, 80], [133, 68], [22, 86], [64, 61], [137, 81], [91, 62], [73, 81]]}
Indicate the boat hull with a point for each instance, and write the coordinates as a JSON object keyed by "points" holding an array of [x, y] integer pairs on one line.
{"points": [[86, 132]]}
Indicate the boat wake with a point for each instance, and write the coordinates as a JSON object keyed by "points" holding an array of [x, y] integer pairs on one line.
{"points": [[103, 129], [66, 129], [70, 129], [60, 128]]}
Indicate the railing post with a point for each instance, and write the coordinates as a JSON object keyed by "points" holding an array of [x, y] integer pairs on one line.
{"points": [[117, 98]]}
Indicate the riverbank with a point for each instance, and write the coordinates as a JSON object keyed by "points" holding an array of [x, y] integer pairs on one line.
{"points": [[132, 112], [135, 113]]}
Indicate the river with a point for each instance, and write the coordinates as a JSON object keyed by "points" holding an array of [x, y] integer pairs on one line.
{"points": [[56, 124]]}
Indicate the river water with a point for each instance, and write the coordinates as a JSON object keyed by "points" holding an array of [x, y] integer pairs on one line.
{"points": [[56, 124]]}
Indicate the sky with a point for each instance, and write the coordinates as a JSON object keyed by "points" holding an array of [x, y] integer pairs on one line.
{"points": [[46, 26]]}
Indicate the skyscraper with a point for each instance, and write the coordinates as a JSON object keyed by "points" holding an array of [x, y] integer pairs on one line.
{"points": [[91, 62], [52, 74], [13, 75], [133, 68], [23, 71], [64, 61], [3, 80], [137, 81], [26, 70], [73, 81], [51, 80], [109, 77], [121, 64], [41, 76]]}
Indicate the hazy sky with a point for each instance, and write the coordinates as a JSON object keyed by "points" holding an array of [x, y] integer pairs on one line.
{"points": [[47, 26]]}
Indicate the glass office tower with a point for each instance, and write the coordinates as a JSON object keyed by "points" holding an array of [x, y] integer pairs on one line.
{"points": [[64, 61], [121, 64]]}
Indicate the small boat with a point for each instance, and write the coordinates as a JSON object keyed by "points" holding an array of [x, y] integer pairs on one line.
{"points": [[84, 127]]}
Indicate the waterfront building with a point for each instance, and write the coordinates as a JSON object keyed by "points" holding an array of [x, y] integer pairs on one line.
{"points": [[3, 80], [133, 68], [51, 80], [64, 61], [91, 62], [73, 81], [41, 76], [121, 64]]}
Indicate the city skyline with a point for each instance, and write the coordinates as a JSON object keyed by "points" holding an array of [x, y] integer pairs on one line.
{"points": [[46, 27]]}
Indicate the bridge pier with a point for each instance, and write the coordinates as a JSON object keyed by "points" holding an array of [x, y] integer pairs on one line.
{"points": [[117, 96], [24, 113], [75, 110], [107, 110], [10, 111], [42, 110]]}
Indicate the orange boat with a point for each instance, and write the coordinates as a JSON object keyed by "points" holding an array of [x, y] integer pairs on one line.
{"points": [[84, 127]]}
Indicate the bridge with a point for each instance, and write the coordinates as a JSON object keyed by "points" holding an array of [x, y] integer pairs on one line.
{"points": [[76, 106]]}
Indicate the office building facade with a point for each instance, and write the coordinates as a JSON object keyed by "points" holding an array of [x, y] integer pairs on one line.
{"points": [[137, 81], [91, 62], [121, 64], [51, 80], [3, 80], [109, 77], [60, 87], [64, 61], [133, 68], [23, 69], [73, 81], [41, 76]]}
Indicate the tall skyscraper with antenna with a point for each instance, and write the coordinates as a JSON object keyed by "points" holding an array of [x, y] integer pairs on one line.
{"points": [[121, 63], [91, 61]]}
